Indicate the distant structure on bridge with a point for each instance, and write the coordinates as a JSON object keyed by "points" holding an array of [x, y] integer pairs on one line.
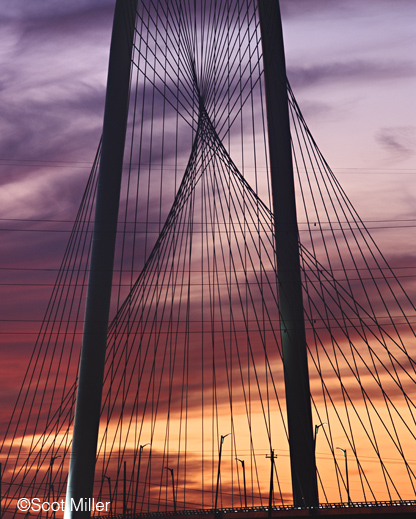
{"points": [[245, 344]]}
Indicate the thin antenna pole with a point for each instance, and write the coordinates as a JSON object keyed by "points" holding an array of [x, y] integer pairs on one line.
{"points": [[292, 325], [91, 372]]}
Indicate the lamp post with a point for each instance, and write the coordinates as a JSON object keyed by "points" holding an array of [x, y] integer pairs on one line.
{"points": [[346, 473], [53, 458], [109, 489], [124, 488], [173, 488], [272, 458], [244, 479], [138, 473], [316, 433], [219, 470]]}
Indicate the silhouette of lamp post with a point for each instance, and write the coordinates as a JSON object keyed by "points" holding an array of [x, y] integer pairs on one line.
{"points": [[51, 489], [173, 488], [316, 433], [219, 470], [346, 473], [109, 489], [244, 479], [138, 473], [272, 457]]}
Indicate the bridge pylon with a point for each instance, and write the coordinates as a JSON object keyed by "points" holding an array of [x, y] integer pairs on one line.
{"points": [[91, 372], [292, 325]]}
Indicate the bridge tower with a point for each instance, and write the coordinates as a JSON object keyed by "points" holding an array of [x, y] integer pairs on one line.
{"points": [[292, 326], [91, 371], [83, 457]]}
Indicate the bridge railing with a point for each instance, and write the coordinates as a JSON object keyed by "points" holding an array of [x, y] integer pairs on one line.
{"points": [[212, 511]]}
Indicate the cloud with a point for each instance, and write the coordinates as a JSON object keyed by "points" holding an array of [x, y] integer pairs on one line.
{"points": [[399, 142], [328, 8], [47, 9], [353, 71], [305, 8]]}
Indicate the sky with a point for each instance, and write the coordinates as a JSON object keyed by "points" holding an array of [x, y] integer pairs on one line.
{"points": [[352, 67]]}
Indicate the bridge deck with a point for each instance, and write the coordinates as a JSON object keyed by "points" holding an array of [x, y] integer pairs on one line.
{"points": [[384, 510]]}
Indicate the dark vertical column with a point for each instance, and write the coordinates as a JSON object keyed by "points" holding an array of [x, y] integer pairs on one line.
{"points": [[90, 381], [124, 489], [302, 457]]}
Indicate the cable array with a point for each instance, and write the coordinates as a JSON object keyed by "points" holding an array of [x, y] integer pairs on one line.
{"points": [[193, 362]]}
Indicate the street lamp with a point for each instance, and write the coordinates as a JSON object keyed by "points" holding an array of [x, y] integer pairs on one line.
{"points": [[316, 433], [173, 488], [124, 488], [138, 473], [244, 479], [346, 473], [272, 458], [111, 500], [219, 470], [53, 458]]}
